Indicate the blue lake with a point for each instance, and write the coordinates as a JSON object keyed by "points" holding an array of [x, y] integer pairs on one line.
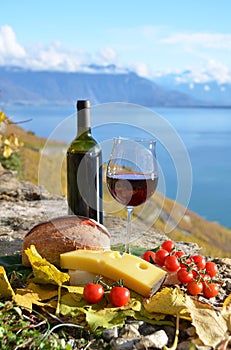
{"points": [[193, 146]]}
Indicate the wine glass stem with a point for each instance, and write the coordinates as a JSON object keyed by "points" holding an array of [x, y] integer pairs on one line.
{"points": [[129, 229]]}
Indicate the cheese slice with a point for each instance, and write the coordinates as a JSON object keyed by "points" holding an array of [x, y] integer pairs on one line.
{"points": [[136, 273]]}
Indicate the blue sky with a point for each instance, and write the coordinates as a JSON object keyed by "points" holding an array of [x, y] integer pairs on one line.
{"points": [[147, 36]]}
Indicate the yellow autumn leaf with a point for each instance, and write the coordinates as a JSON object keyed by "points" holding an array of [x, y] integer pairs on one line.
{"points": [[44, 271], [35, 294], [6, 290], [226, 311], [227, 301], [44, 291], [210, 325], [169, 301], [26, 298], [2, 116], [74, 289]]}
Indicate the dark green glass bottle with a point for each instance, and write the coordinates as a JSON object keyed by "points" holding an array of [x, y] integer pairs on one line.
{"points": [[84, 169]]}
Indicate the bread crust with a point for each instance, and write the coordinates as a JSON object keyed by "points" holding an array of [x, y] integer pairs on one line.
{"points": [[64, 234]]}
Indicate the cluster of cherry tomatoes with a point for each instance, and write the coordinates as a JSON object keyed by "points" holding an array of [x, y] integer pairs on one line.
{"points": [[94, 292], [193, 271]]}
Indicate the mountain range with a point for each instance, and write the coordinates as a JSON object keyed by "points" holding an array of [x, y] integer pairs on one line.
{"points": [[108, 84]]}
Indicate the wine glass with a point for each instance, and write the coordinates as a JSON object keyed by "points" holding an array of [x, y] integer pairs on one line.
{"points": [[132, 175]]}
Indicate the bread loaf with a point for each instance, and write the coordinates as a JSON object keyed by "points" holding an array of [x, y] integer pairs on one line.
{"points": [[63, 234]]}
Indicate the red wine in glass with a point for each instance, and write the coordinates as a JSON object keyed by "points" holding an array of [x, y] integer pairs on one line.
{"points": [[132, 175], [131, 189]]}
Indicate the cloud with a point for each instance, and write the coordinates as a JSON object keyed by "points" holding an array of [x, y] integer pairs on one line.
{"points": [[151, 49], [206, 40], [10, 49], [107, 55], [142, 69], [55, 57], [52, 57]]}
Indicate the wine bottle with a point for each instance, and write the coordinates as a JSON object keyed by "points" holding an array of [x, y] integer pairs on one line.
{"points": [[84, 169]]}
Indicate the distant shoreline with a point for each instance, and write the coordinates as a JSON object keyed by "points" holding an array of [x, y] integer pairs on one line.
{"points": [[69, 103]]}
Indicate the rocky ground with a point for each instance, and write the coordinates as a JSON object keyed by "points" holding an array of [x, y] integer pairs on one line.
{"points": [[22, 205]]}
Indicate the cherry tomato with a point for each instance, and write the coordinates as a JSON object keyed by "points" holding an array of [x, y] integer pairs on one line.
{"points": [[179, 253], [210, 290], [93, 293], [199, 260], [194, 287], [211, 268], [119, 296], [160, 256], [168, 245], [148, 256], [171, 263], [184, 276]]}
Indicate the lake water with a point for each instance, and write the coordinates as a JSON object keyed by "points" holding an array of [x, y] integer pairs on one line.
{"points": [[193, 146]]}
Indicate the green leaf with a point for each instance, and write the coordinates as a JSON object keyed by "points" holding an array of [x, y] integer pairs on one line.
{"points": [[104, 318]]}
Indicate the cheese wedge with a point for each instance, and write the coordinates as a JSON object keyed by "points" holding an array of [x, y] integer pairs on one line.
{"points": [[136, 273]]}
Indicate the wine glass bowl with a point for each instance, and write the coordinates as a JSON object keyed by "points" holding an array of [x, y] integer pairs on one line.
{"points": [[132, 174]]}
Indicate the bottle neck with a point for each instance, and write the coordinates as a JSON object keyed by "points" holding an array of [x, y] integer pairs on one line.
{"points": [[84, 121]]}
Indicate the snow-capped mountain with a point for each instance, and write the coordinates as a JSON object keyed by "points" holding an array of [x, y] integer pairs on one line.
{"points": [[206, 89]]}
